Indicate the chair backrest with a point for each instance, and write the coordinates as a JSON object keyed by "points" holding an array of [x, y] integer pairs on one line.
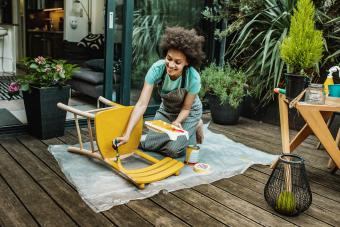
{"points": [[110, 124]]}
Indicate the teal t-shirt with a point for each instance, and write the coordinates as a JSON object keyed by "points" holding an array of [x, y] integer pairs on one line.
{"points": [[192, 80]]}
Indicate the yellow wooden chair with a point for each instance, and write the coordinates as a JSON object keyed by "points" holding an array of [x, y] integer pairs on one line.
{"points": [[110, 123]]}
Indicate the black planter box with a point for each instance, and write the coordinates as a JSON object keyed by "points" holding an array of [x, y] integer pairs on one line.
{"points": [[45, 120], [223, 114], [295, 84]]}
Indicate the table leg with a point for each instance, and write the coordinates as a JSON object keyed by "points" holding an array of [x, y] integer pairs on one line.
{"points": [[329, 121], [305, 132], [284, 124], [331, 164], [316, 122], [300, 137]]}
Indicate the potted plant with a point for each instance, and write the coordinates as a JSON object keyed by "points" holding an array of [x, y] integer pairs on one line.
{"points": [[225, 89], [302, 48], [43, 86]]}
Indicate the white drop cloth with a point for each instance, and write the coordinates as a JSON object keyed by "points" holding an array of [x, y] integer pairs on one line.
{"points": [[101, 188]]}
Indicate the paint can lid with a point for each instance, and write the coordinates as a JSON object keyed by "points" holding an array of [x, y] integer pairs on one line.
{"points": [[194, 147]]}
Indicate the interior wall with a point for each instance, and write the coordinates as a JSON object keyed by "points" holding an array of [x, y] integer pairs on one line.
{"points": [[97, 13], [74, 35], [16, 12]]}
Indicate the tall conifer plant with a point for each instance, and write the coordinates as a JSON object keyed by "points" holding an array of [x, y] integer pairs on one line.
{"points": [[303, 47]]}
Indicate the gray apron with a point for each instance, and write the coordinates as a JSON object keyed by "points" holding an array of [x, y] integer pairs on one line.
{"points": [[170, 107]]}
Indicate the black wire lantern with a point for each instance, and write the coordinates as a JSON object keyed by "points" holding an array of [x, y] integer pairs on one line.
{"points": [[287, 190]]}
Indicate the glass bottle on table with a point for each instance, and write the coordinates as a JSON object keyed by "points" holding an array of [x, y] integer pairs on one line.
{"points": [[315, 95]]}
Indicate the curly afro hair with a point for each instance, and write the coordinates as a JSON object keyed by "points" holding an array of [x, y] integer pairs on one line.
{"points": [[186, 41]]}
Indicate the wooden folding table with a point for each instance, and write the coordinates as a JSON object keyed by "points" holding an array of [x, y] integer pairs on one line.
{"points": [[316, 117]]}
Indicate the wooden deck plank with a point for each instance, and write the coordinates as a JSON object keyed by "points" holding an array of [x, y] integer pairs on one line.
{"points": [[123, 216], [37, 202], [213, 208], [272, 146], [57, 189], [116, 214], [12, 211], [242, 207], [325, 184], [321, 194], [171, 204], [184, 210], [247, 194], [267, 132], [39, 149], [314, 210], [237, 201], [154, 214]]}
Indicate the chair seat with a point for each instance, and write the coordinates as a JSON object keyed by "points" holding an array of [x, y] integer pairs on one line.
{"points": [[159, 172]]}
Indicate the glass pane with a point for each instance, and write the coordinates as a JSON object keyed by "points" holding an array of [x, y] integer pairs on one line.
{"points": [[150, 20], [84, 28], [117, 49]]}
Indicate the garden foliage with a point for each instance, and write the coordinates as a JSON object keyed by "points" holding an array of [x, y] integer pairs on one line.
{"points": [[44, 72], [303, 47], [254, 38], [225, 82]]}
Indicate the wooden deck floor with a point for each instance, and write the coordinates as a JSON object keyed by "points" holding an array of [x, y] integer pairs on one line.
{"points": [[34, 192]]}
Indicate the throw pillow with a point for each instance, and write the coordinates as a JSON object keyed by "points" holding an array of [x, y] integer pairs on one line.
{"points": [[92, 41], [95, 64]]}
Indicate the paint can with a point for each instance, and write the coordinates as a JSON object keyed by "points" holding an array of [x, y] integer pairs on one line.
{"points": [[192, 154]]}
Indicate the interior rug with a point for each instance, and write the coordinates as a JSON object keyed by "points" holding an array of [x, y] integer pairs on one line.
{"points": [[5, 81], [101, 188]]}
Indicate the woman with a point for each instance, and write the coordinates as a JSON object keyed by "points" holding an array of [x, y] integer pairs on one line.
{"points": [[179, 83]]}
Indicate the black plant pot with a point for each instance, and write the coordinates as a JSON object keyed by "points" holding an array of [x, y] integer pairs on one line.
{"points": [[45, 120], [223, 114], [287, 190], [295, 84]]}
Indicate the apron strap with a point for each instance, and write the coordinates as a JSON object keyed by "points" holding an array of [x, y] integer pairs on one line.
{"points": [[161, 81], [183, 77]]}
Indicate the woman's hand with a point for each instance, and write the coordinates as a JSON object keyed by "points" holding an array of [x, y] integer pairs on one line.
{"points": [[122, 140], [177, 124]]}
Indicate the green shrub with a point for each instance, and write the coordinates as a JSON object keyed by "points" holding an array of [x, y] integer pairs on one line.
{"points": [[224, 82], [303, 47]]}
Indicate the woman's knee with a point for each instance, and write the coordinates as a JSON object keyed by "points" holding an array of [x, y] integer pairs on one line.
{"points": [[175, 149], [174, 153]]}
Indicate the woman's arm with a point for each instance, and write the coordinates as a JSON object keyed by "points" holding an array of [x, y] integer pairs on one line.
{"points": [[188, 101], [137, 112]]}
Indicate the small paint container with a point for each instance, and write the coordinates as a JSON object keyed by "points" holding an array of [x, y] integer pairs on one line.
{"points": [[192, 153], [201, 168]]}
